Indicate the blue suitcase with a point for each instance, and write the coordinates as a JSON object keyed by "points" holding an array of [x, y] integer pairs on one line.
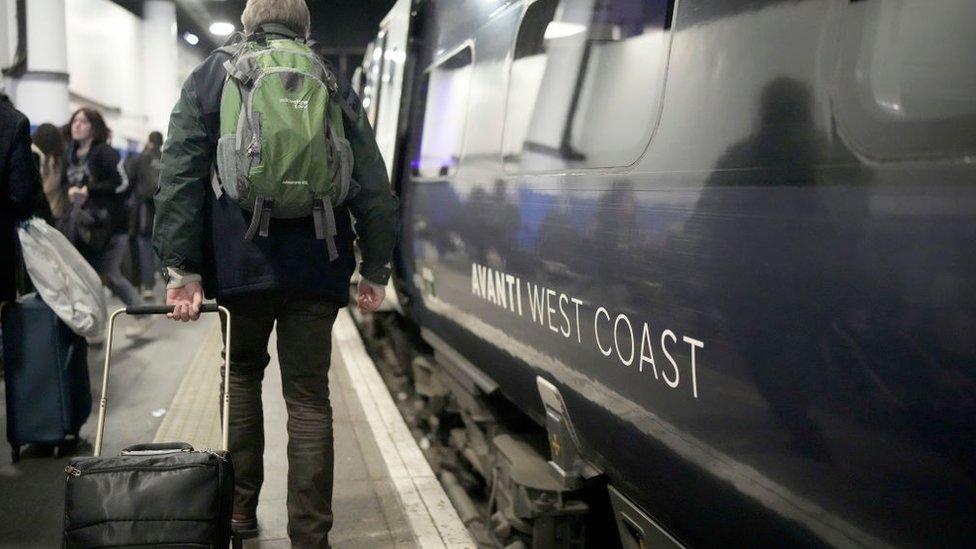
{"points": [[46, 372]]}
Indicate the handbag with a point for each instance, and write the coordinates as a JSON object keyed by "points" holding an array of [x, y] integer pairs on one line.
{"points": [[62, 277], [87, 227]]}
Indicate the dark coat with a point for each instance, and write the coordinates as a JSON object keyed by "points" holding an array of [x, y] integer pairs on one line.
{"points": [[198, 232], [143, 172], [107, 184], [20, 184]]}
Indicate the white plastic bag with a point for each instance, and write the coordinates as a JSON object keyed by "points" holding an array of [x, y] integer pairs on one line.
{"points": [[63, 278]]}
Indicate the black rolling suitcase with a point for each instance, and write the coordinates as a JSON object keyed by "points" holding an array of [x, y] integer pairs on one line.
{"points": [[46, 376], [152, 495]]}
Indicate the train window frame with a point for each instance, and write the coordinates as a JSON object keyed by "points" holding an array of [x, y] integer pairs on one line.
{"points": [[511, 167], [869, 87], [373, 109], [420, 115]]}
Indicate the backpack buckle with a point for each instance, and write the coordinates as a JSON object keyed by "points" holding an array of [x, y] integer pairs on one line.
{"points": [[258, 36]]}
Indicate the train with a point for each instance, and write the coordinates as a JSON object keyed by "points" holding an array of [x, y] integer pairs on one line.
{"points": [[679, 273]]}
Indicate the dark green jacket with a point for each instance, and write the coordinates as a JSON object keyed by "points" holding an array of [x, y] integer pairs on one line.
{"points": [[197, 232]]}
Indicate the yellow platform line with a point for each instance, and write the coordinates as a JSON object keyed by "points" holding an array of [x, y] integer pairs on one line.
{"points": [[193, 415]]}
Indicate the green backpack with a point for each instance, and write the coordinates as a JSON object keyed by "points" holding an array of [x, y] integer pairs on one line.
{"points": [[282, 150]]}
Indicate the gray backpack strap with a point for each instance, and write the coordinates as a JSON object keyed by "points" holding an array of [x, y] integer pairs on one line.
{"points": [[260, 218], [325, 224], [330, 229], [265, 220], [342, 162], [331, 81], [218, 189], [231, 49], [318, 218], [243, 68]]}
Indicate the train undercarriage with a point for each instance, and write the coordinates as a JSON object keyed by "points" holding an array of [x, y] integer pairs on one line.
{"points": [[491, 458]]}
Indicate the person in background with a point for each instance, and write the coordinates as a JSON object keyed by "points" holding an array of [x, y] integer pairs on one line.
{"points": [[19, 186], [284, 281], [95, 182], [143, 171], [47, 139]]}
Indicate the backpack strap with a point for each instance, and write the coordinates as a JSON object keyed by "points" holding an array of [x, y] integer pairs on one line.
{"points": [[260, 218], [325, 224], [243, 67], [259, 36], [215, 183], [318, 217], [230, 49], [265, 219], [341, 90], [252, 229], [233, 47]]}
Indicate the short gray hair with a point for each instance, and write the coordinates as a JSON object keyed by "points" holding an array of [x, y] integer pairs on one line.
{"points": [[290, 13]]}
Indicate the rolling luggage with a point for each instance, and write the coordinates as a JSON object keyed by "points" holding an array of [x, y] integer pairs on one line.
{"points": [[152, 495], [48, 391]]}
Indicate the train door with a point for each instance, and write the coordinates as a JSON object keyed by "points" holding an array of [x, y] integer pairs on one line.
{"points": [[386, 78], [380, 83]]}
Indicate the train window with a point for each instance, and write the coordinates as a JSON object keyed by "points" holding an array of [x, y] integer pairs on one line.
{"points": [[531, 35], [444, 93], [374, 71], [907, 78], [586, 83]]}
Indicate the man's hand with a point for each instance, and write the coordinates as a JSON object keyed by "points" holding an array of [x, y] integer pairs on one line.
{"points": [[186, 301], [370, 296]]}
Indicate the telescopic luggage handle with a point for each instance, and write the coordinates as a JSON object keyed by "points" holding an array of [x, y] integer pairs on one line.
{"points": [[161, 310], [165, 309]]}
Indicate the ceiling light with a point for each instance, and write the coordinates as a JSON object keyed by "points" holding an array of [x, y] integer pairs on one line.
{"points": [[222, 28], [191, 38], [560, 29]]}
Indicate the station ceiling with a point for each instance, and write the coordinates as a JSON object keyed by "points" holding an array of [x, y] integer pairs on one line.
{"points": [[345, 24]]}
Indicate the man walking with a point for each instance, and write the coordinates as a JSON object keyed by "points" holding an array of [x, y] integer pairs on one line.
{"points": [[265, 267]]}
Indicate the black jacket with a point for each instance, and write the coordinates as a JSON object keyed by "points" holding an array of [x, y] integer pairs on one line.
{"points": [[20, 184], [107, 185], [143, 172], [198, 232]]}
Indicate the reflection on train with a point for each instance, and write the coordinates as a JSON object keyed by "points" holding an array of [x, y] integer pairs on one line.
{"points": [[689, 272]]}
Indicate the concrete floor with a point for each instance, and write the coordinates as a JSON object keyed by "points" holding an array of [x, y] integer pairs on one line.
{"points": [[367, 510]]}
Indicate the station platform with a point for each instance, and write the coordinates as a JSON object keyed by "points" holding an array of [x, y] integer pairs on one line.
{"points": [[164, 388]]}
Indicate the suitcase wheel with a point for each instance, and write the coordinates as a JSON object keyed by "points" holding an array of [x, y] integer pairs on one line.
{"points": [[15, 453]]}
